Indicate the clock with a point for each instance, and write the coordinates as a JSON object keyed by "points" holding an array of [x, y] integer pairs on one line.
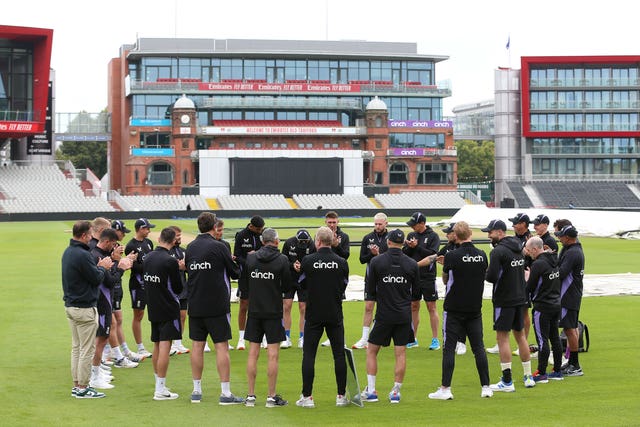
{"points": [[185, 119]]}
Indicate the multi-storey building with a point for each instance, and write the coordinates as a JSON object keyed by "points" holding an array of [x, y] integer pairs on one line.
{"points": [[373, 107]]}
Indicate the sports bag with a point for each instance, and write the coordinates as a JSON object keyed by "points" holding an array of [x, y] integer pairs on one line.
{"points": [[583, 338]]}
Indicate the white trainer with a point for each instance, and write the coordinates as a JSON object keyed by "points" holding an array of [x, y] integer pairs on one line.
{"points": [[264, 342], [240, 345], [98, 382], [165, 394], [486, 391], [135, 357], [493, 350], [306, 402], [144, 353], [502, 386], [286, 343], [230, 347], [441, 394], [300, 342], [181, 349], [461, 348], [341, 400], [326, 343], [207, 349], [360, 344], [125, 363]]}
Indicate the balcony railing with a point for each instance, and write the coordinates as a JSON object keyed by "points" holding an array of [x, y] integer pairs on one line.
{"points": [[586, 105], [19, 116], [276, 102], [593, 82], [581, 127]]}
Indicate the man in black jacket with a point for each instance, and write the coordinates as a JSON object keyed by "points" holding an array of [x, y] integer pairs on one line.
{"points": [[541, 226], [543, 287], [163, 284], [247, 241], [295, 249], [463, 273], [80, 280], [209, 270], [422, 245], [268, 279], [393, 282], [325, 276], [506, 272]]}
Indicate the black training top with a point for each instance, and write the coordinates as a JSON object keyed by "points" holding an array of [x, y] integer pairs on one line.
{"points": [[295, 250], [466, 267], [142, 248], [177, 252], [548, 240], [428, 244], [111, 276], [210, 270], [343, 249], [162, 284], [246, 241], [325, 276], [543, 285], [372, 239], [268, 277], [506, 272], [571, 263], [393, 281]]}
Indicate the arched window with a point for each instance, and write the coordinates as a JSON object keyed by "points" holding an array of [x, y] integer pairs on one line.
{"points": [[160, 173], [136, 177], [398, 173]]}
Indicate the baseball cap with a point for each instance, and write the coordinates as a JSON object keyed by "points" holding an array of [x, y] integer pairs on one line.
{"points": [[449, 229], [541, 219], [257, 221], [416, 218], [119, 225], [143, 223], [495, 224], [567, 230], [303, 235], [396, 236], [521, 217]]}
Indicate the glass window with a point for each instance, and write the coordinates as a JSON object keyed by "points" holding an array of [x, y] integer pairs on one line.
{"points": [[160, 173], [435, 173], [398, 173]]}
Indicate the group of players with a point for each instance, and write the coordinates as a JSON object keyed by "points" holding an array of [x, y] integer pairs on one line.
{"points": [[170, 280]]}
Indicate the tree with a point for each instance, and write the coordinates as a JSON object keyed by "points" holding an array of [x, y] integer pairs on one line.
{"points": [[85, 154], [476, 160]]}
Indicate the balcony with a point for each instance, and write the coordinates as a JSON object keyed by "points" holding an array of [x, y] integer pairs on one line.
{"points": [[315, 103]]}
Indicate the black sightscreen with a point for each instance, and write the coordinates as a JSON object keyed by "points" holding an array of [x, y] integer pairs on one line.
{"points": [[286, 176]]}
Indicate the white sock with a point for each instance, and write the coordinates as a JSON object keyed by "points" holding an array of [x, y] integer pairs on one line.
{"points": [[226, 388], [526, 366], [125, 348], [365, 333], [160, 384], [197, 386], [397, 386], [106, 351], [117, 354], [371, 383], [241, 335], [95, 371], [140, 346], [504, 366], [177, 343]]}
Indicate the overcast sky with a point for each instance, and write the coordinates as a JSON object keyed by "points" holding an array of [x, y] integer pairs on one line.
{"points": [[472, 33]]}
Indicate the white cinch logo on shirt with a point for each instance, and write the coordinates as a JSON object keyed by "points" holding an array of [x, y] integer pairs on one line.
{"points": [[331, 265], [472, 258], [151, 279], [554, 275], [204, 265], [266, 275], [517, 262], [394, 279]]}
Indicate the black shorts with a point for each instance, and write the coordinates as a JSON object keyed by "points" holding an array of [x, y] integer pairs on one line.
{"points": [[183, 303], [116, 297], [138, 297], [381, 334], [104, 316], [167, 330], [219, 328], [257, 328], [569, 318], [428, 290], [506, 319], [302, 294]]}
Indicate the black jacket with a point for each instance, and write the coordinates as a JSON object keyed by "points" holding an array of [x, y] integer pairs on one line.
{"points": [[80, 276], [428, 244], [325, 276], [296, 251], [373, 238], [246, 241], [268, 277], [177, 252], [466, 267], [393, 281], [506, 272], [209, 270], [543, 285], [142, 248], [549, 240], [111, 276], [343, 249], [163, 284], [571, 264]]}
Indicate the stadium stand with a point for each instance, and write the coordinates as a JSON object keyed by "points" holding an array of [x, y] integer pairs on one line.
{"points": [[421, 200], [35, 188], [253, 202], [521, 197], [587, 194], [333, 201], [163, 203]]}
